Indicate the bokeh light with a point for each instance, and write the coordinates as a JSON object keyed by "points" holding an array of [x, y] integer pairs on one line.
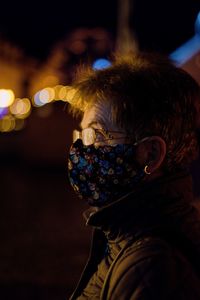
{"points": [[44, 96], [3, 112], [70, 94], [57, 89], [7, 97], [7, 123], [36, 100], [101, 63], [47, 95], [21, 108], [63, 93]]}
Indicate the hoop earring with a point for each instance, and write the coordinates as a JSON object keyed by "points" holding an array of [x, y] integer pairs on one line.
{"points": [[146, 171]]}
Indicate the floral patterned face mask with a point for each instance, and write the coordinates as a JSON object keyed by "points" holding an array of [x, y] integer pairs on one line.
{"points": [[102, 174]]}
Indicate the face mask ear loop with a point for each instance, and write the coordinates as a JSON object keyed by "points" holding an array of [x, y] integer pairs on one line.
{"points": [[141, 141]]}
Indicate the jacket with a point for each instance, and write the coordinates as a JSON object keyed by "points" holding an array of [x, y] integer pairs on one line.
{"points": [[146, 245]]}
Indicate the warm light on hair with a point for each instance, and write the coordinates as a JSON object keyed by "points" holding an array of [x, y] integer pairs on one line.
{"points": [[72, 96], [147, 95]]}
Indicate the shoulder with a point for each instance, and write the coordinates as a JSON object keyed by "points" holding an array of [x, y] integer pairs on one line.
{"points": [[145, 248], [145, 253], [147, 269]]}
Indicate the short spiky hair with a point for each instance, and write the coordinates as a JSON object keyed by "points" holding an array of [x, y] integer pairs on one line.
{"points": [[148, 96]]}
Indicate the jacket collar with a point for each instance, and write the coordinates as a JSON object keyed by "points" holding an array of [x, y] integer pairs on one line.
{"points": [[165, 204], [164, 191]]}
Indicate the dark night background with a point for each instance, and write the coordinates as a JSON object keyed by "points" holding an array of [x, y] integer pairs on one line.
{"points": [[44, 241], [36, 26]]}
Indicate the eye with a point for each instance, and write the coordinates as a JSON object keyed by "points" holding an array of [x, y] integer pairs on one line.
{"points": [[99, 135]]}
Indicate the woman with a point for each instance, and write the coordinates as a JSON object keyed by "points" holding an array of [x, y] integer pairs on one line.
{"points": [[130, 163]]}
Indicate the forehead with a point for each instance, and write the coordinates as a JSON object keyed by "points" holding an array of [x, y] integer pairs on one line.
{"points": [[98, 114]]}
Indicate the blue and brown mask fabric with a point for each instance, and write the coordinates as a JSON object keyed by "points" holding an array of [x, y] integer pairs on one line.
{"points": [[102, 174]]}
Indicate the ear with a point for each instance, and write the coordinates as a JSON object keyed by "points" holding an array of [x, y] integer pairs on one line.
{"points": [[151, 152], [157, 153]]}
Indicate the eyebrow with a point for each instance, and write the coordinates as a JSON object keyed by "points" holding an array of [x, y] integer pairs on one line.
{"points": [[89, 125], [92, 123]]}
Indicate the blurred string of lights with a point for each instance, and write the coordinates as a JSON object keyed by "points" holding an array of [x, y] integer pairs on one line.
{"points": [[14, 111]]}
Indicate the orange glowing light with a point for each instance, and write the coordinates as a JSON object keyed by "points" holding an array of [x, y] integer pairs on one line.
{"points": [[63, 93], [7, 123], [21, 108]]}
